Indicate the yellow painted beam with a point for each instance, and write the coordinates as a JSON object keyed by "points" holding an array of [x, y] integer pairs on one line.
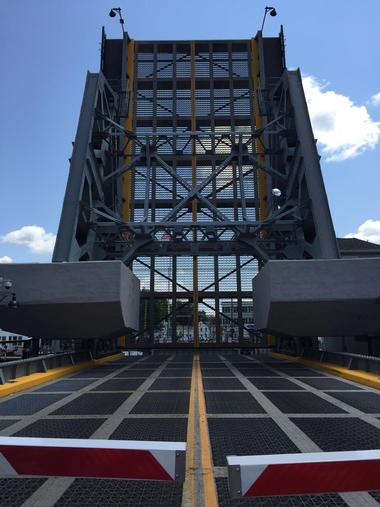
{"points": [[34, 379], [128, 151], [359, 376], [261, 176], [121, 342], [261, 183], [129, 124]]}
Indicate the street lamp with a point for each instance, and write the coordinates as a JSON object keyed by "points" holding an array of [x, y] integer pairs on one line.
{"points": [[272, 12], [117, 11]]}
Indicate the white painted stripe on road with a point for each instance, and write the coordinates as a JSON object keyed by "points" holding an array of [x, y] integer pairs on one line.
{"points": [[94, 443], [307, 457]]}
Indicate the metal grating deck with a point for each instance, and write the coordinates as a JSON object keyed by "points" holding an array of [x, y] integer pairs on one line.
{"points": [[242, 418], [102, 492]]}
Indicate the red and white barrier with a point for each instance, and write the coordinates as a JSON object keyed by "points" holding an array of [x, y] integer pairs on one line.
{"points": [[297, 474], [121, 459]]}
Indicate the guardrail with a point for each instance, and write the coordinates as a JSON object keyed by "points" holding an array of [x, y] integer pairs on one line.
{"points": [[11, 370], [347, 359]]}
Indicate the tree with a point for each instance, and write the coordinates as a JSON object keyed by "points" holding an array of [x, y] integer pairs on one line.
{"points": [[160, 311]]}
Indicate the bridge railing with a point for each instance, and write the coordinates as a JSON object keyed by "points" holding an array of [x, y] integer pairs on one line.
{"points": [[11, 370]]}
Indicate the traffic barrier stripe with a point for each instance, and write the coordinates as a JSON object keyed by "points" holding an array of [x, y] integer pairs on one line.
{"points": [[118, 459], [297, 474]]}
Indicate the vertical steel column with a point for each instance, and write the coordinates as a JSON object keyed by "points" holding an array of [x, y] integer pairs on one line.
{"points": [[174, 194], [152, 284], [218, 327], [262, 183], [126, 182], [129, 125], [255, 70], [194, 203]]}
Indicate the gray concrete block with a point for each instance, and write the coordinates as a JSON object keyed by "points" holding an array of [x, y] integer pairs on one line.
{"points": [[72, 299], [324, 297]]}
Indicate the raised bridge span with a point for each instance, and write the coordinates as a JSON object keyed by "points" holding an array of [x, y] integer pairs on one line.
{"points": [[219, 404], [195, 166]]}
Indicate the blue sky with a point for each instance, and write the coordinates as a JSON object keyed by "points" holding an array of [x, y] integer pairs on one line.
{"points": [[48, 45]]}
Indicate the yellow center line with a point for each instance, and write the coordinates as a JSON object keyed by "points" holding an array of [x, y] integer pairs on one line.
{"points": [[189, 484], [209, 487]]}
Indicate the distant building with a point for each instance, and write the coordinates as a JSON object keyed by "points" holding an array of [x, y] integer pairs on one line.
{"points": [[230, 320], [353, 247], [11, 342], [187, 334]]}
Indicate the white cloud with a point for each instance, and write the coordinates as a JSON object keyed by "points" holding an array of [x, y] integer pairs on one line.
{"points": [[33, 236], [343, 129], [375, 99], [368, 231], [5, 259]]}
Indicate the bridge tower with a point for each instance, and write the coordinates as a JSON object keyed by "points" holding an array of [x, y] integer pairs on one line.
{"points": [[194, 163]]}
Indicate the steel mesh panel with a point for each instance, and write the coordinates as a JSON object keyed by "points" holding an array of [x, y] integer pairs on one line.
{"points": [[232, 403], [302, 403], [258, 373], [364, 401], [275, 384], [155, 428], [328, 499], [5, 423], [172, 372], [169, 384], [300, 372], [95, 373], [326, 384], [93, 404], [61, 428], [223, 102], [121, 493], [14, 492], [217, 372], [246, 436], [139, 373], [220, 384], [66, 385], [27, 404], [163, 403], [340, 434], [119, 385]]}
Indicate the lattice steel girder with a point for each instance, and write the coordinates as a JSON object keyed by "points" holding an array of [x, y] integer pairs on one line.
{"points": [[238, 156], [182, 164], [103, 126]]}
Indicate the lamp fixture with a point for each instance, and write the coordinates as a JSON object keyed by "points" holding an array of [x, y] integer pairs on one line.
{"points": [[116, 11], [272, 12]]}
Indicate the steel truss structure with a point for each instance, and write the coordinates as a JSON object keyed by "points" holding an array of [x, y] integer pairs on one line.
{"points": [[178, 148]]}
